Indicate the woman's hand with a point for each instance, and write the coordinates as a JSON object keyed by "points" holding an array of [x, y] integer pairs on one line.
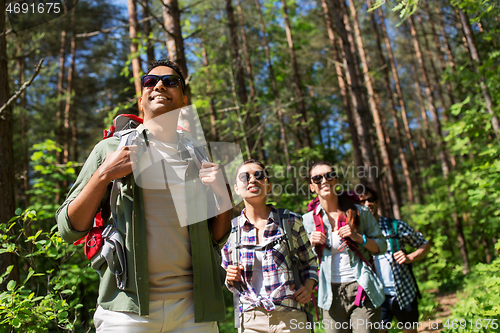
{"points": [[317, 238], [233, 273], [347, 231]]}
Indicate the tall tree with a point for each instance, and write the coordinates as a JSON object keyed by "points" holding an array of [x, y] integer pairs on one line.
{"points": [[274, 85], [7, 178], [21, 68], [474, 54], [445, 165], [399, 96], [439, 50], [296, 75], [393, 184], [342, 85], [69, 89], [213, 114], [356, 97], [134, 47], [238, 68], [147, 29], [174, 39]]}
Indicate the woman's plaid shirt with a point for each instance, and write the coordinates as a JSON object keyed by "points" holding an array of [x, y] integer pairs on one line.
{"points": [[276, 271], [405, 286]]}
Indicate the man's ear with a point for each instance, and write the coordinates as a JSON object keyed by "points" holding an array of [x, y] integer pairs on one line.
{"points": [[236, 189], [269, 187], [185, 100], [311, 187], [139, 103]]}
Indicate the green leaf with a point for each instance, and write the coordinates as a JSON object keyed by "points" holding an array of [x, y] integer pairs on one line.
{"points": [[18, 211], [11, 285], [16, 323]]}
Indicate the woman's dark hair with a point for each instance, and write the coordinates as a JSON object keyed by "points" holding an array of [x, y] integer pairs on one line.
{"points": [[346, 204], [252, 161]]}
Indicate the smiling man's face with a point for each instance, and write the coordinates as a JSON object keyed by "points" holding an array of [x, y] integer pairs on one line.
{"points": [[159, 99]]}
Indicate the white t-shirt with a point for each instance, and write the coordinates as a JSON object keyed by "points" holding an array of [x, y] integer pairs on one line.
{"points": [[341, 266], [383, 265], [168, 243]]}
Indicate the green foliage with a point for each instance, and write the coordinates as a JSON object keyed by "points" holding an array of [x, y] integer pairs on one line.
{"points": [[47, 297], [480, 299], [48, 175]]}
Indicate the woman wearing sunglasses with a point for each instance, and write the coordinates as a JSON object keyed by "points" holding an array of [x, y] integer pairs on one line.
{"points": [[263, 270], [345, 236]]}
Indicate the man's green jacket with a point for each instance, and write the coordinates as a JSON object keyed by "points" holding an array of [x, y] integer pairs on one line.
{"points": [[208, 297]]}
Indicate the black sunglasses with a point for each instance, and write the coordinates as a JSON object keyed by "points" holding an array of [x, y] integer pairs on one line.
{"points": [[370, 199], [170, 81], [244, 177], [328, 176]]}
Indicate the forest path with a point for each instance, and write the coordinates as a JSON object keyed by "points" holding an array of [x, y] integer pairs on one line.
{"points": [[446, 302]]}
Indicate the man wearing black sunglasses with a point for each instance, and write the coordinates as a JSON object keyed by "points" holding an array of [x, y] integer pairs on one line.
{"points": [[394, 267], [173, 279]]}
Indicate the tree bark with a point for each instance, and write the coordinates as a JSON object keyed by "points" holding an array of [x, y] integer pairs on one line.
{"points": [[445, 166], [21, 67], [399, 95], [434, 71], [213, 114], [146, 28], [342, 85], [356, 99], [134, 48], [238, 68], [69, 89], [60, 89], [439, 51], [393, 184], [7, 176], [477, 62], [274, 84], [296, 75], [174, 40]]}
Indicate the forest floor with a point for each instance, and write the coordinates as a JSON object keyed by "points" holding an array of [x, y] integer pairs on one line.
{"points": [[446, 302]]}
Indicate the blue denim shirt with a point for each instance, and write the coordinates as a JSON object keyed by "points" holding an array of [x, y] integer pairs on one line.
{"points": [[366, 278]]}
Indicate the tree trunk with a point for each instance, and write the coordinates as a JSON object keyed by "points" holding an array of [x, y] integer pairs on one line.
{"points": [[60, 90], [69, 89], [399, 96], [7, 176], [342, 86], [134, 49], [393, 185], [174, 40], [434, 72], [146, 28], [477, 60], [274, 85], [446, 44], [440, 53], [296, 75], [238, 68], [213, 114], [356, 99], [445, 166], [21, 67]]}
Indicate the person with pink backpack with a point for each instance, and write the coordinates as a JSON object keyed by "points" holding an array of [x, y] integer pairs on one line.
{"points": [[344, 236]]}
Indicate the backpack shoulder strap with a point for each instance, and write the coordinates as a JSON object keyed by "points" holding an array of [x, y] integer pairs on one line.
{"points": [[285, 224], [393, 235], [234, 238]]}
